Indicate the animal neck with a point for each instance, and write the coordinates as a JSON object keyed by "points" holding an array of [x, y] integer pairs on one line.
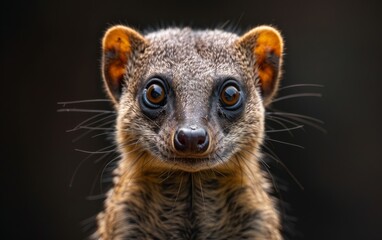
{"points": [[172, 186], [194, 195], [229, 202]]}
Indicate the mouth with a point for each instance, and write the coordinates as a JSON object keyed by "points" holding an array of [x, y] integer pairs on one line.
{"points": [[189, 160], [191, 163]]}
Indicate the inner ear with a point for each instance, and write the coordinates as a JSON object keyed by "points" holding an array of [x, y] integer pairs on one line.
{"points": [[265, 45], [119, 45]]}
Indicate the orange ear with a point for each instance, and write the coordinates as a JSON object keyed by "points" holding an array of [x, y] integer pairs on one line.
{"points": [[118, 45], [266, 46]]}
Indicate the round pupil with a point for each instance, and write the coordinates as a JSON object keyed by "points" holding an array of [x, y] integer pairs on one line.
{"points": [[155, 93], [230, 95]]}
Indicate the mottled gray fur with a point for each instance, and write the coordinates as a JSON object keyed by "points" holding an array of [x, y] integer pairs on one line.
{"points": [[160, 195]]}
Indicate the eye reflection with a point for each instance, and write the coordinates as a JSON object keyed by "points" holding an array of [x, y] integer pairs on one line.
{"points": [[230, 96], [155, 94]]}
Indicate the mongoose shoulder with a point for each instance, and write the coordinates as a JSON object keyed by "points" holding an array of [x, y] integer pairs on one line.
{"points": [[190, 124]]}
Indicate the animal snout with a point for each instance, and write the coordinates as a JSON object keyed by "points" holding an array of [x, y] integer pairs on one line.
{"points": [[191, 140]]}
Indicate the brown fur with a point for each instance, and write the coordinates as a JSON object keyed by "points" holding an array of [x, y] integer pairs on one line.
{"points": [[161, 194]]}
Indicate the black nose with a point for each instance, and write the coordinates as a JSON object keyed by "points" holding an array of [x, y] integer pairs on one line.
{"points": [[191, 140]]}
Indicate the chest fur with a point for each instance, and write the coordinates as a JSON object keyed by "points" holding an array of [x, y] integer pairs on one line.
{"points": [[185, 206]]}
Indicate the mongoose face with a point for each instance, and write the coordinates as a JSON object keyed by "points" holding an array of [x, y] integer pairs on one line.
{"points": [[190, 100]]}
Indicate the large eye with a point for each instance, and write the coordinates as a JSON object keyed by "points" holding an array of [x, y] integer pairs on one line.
{"points": [[154, 95], [230, 96]]}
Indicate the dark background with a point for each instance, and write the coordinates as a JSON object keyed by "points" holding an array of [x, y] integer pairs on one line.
{"points": [[50, 52]]}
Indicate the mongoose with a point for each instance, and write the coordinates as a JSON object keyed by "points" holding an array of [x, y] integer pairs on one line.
{"points": [[191, 108]]}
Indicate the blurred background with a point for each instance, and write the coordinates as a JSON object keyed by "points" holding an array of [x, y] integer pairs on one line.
{"points": [[50, 52]]}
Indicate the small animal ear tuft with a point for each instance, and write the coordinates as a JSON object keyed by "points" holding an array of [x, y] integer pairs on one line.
{"points": [[118, 46], [266, 45]]}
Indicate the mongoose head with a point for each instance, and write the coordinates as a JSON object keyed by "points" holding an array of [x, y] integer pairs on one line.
{"points": [[190, 100]]}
